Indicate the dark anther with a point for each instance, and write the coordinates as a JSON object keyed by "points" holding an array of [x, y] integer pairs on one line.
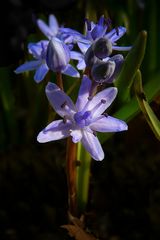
{"points": [[105, 114], [94, 133], [108, 22], [63, 104], [64, 119], [117, 30], [103, 101]]}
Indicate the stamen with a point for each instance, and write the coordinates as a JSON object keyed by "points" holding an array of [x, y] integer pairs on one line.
{"points": [[117, 31], [94, 133], [108, 22], [105, 114], [64, 104], [103, 101], [64, 119]]}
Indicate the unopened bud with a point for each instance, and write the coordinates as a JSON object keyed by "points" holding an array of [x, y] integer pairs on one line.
{"points": [[57, 55], [102, 71], [102, 48], [90, 57]]}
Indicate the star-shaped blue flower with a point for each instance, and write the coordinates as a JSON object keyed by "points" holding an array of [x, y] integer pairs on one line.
{"points": [[82, 120], [49, 55]]}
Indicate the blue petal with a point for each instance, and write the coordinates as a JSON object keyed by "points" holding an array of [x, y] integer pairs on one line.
{"points": [[54, 131], [41, 72], [108, 124], [28, 66], [83, 46], [45, 28], [121, 48], [60, 102], [92, 145], [83, 93], [81, 65], [76, 135], [71, 71], [107, 96], [36, 48], [116, 33], [53, 24]]}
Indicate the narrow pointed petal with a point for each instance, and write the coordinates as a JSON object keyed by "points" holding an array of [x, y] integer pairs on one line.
{"points": [[83, 93], [44, 28], [108, 124], [107, 96], [92, 145], [76, 135], [121, 48], [53, 24], [71, 71], [36, 48], [116, 34], [83, 46], [41, 72], [54, 131], [81, 65], [76, 55], [28, 66], [61, 103]]}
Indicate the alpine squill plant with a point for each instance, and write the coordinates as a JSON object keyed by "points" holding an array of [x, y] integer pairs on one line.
{"points": [[97, 65]]}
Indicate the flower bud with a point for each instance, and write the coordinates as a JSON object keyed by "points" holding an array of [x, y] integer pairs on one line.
{"points": [[119, 60], [103, 71], [57, 56], [102, 48], [89, 57]]}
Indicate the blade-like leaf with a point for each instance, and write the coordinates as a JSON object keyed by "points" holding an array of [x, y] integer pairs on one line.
{"points": [[151, 118], [132, 62], [131, 109]]}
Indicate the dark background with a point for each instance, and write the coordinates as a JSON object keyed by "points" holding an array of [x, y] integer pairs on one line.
{"points": [[124, 199]]}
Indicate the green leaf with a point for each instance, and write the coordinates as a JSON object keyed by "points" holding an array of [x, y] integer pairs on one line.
{"points": [[132, 62], [130, 109], [151, 118]]}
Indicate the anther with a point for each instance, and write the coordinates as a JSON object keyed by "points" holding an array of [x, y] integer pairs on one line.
{"points": [[117, 30], [103, 101], [64, 104], [94, 133], [64, 119], [105, 114]]}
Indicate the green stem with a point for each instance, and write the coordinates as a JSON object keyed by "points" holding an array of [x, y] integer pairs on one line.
{"points": [[83, 176]]}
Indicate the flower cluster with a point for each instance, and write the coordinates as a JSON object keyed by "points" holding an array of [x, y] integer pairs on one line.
{"points": [[99, 65]]}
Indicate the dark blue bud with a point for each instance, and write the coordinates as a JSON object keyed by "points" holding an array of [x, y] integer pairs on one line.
{"points": [[103, 71], [102, 48], [90, 57]]}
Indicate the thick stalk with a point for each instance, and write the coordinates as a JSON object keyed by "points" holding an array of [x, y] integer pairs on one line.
{"points": [[71, 161], [59, 80]]}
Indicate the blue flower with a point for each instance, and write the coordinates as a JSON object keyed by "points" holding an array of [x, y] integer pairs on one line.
{"points": [[38, 50], [99, 30], [82, 120], [51, 30], [49, 55]]}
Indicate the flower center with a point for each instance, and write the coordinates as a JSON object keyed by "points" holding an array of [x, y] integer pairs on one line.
{"points": [[85, 117]]}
